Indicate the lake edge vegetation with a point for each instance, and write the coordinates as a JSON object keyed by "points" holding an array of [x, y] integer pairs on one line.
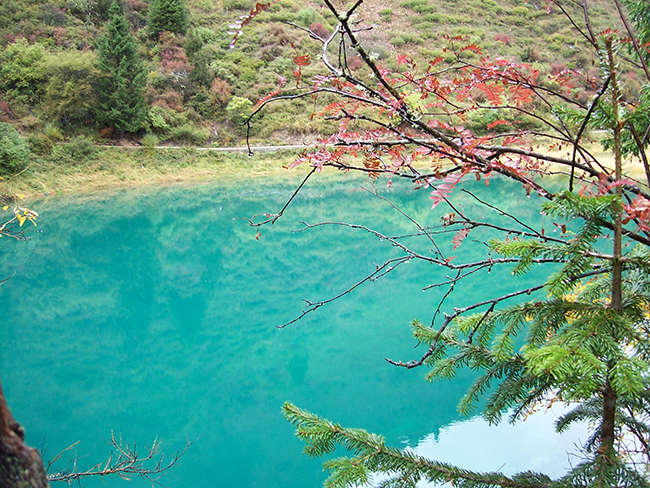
{"points": [[57, 88]]}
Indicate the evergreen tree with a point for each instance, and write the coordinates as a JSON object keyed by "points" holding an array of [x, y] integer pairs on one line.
{"points": [[121, 86], [168, 15]]}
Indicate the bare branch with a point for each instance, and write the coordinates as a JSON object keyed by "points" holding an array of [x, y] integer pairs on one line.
{"points": [[124, 461], [583, 126], [635, 42], [506, 214], [380, 271], [492, 302], [273, 218]]}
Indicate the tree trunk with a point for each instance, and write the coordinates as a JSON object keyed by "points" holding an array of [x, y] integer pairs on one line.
{"points": [[608, 424], [20, 465]]}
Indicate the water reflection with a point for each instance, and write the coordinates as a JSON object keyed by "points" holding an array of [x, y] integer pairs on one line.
{"points": [[152, 313], [505, 447]]}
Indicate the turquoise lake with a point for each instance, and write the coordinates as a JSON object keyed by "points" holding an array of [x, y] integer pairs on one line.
{"points": [[153, 313]]}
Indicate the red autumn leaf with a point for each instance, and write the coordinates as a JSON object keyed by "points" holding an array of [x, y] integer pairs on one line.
{"points": [[472, 47], [496, 123], [402, 59], [443, 190], [245, 19], [264, 99], [639, 210], [301, 60], [460, 236]]}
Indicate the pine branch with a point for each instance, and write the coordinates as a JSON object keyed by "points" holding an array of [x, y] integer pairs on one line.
{"points": [[370, 454]]}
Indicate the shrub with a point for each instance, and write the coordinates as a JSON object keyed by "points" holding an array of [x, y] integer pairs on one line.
{"points": [[186, 134], [39, 143], [21, 69], [76, 152], [239, 109], [225, 70], [201, 105], [320, 30], [386, 14], [501, 37], [237, 4], [43, 142], [14, 150], [87, 11], [69, 93], [150, 141], [53, 16], [80, 149], [52, 132], [418, 6], [5, 112], [520, 11], [354, 63], [306, 16], [220, 91], [557, 68], [427, 27], [157, 119], [197, 38], [378, 52], [406, 39], [530, 55]]}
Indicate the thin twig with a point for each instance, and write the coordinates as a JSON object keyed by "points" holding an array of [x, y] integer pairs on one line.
{"points": [[124, 462], [273, 218], [380, 271]]}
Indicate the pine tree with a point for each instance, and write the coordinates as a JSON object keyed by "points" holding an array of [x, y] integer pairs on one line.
{"points": [[121, 87], [168, 15]]}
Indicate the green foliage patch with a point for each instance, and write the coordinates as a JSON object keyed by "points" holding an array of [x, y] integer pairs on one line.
{"points": [[167, 15], [14, 150], [121, 86], [49, 59]]}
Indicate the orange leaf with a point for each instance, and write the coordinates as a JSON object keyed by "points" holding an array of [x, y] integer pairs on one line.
{"points": [[302, 60]]}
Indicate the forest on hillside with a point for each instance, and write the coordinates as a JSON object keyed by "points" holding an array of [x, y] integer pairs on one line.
{"points": [[60, 66]]}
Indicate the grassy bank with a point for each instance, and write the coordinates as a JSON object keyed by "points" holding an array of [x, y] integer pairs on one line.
{"points": [[81, 170], [106, 168]]}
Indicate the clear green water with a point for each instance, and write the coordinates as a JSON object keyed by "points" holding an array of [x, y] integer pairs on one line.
{"points": [[152, 313]]}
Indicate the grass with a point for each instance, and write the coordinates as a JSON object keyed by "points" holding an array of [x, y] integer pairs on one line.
{"points": [[113, 168]]}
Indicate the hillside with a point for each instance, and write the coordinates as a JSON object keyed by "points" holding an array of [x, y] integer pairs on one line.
{"points": [[197, 89]]}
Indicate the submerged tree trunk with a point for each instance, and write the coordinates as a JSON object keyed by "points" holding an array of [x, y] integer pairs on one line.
{"points": [[20, 465]]}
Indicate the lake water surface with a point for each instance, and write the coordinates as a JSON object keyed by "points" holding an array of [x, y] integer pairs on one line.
{"points": [[152, 313]]}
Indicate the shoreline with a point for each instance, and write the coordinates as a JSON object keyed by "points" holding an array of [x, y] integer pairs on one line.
{"points": [[114, 168]]}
